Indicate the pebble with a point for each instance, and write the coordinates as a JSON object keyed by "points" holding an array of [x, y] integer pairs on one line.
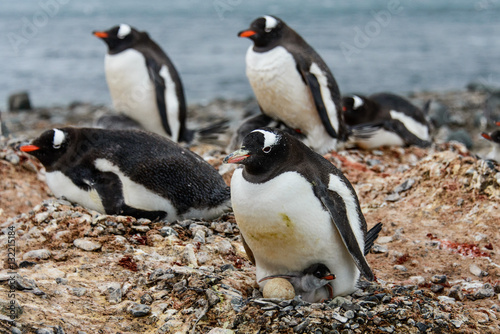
{"points": [[417, 280], [45, 331], [456, 293], [485, 292], [41, 217], [392, 197], [114, 295], [139, 310], [384, 239], [167, 231], [447, 300], [224, 247], [379, 249], [23, 283], [400, 267], [87, 245], [78, 291], [190, 256], [406, 185], [439, 279], [221, 331], [37, 254], [60, 280], [437, 288], [146, 299]]}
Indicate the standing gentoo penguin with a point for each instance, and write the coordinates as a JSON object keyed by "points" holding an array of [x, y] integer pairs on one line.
{"points": [[385, 119], [293, 84], [143, 82], [309, 282], [494, 137], [129, 172], [294, 209]]}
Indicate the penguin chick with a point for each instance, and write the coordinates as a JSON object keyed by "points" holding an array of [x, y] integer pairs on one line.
{"points": [[311, 283], [129, 172], [293, 84], [294, 208]]}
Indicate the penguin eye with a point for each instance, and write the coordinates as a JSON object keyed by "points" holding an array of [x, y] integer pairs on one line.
{"points": [[266, 149]]}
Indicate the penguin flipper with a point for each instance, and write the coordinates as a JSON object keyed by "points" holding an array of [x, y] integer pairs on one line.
{"points": [[371, 236], [410, 138], [315, 88], [160, 88], [335, 205]]}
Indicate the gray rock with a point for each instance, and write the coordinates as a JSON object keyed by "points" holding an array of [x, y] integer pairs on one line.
{"points": [[476, 271], [378, 249], [437, 288], [13, 158], [61, 280], [392, 198], [221, 331], [139, 310], [456, 293], [167, 231], [406, 185], [349, 314], [114, 295], [438, 279], [78, 291], [146, 299], [461, 136], [37, 254], [45, 331], [19, 101], [400, 267], [484, 293], [213, 298], [87, 245], [23, 283]]}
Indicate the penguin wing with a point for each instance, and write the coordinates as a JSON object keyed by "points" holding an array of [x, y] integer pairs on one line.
{"points": [[154, 69], [316, 85], [336, 205]]}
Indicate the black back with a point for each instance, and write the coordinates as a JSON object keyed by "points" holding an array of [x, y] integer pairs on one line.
{"points": [[388, 102], [156, 162]]}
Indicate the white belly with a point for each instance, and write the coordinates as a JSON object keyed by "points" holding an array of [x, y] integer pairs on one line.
{"points": [[284, 96], [380, 138], [494, 154], [287, 229], [131, 89], [62, 186]]}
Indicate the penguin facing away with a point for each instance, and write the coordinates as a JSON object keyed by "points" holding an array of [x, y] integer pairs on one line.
{"points": [[143, 83], [494, 138], [385, 119], [294, 209], [293, 84], [129, 172]]}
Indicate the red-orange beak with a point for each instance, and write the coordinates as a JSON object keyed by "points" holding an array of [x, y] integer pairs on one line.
{"points": [[497, 123], [486, 136], [236, 156], [29, 148], [246, 33], [101, 34], [330, 277]]}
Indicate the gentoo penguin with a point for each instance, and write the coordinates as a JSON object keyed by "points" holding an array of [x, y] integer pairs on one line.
{"points": [[494, 137], [129, 172], [294, 208], [293, 84], [385, 119], [309, 282], [143, 82]]}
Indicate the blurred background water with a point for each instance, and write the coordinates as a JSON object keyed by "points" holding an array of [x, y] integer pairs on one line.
{"points": [[371, 46]]}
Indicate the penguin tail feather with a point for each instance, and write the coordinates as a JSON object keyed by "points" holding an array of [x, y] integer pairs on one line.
{"points": [[371, 236], [364, 131], [211, 132]]}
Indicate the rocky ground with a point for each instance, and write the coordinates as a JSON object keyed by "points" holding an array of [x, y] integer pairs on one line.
{"points": [[436, 261]]}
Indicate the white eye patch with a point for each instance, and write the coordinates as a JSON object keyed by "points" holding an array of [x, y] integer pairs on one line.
{"points": [[123, 31], [59, 138], [358, 102], [270, 139], [271, 23]]}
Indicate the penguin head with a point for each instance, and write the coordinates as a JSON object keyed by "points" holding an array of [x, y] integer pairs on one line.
{"points": [[319, 270], [264, 30], [261, 150], [119, 37], [356, 109], [49, 147], [493, 137]]}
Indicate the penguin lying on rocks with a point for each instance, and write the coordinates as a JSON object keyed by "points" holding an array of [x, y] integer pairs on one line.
{"points": [[494, 138], [129, 172]]}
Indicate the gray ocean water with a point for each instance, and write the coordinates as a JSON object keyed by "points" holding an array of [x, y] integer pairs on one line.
{"points": [[382, 45]]}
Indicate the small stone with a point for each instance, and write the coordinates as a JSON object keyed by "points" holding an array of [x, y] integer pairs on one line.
{"points": [[393, 198], [484, 293], [384, 239], [19, 101], [60, 280], [44, 331], [340, 318], [439, 279], [221, 331], [190, 255], [417, 280], [87, 245], [476, 271], [301, 327], [213, 298], [146, 299], [139, 310], [23, 283], [13, 158], [406, 185], [224, 247], [278, 288], [349, 314], [379, 249], [480, 317], [446, 300], [114, 295], [421, 326], [167, 231], [38, 254], [41, 217], [456, 293], [437, 288], [26, 264], [457, 323], [400, 268], [78, 291]]}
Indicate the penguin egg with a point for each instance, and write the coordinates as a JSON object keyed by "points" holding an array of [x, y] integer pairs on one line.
{"points": [[278, 288]]}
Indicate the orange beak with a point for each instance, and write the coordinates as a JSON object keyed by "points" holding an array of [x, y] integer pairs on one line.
{"points": [[330, 277], [101, 34], [497, 123], [29, 148], [486, 136], [246, 33]]}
